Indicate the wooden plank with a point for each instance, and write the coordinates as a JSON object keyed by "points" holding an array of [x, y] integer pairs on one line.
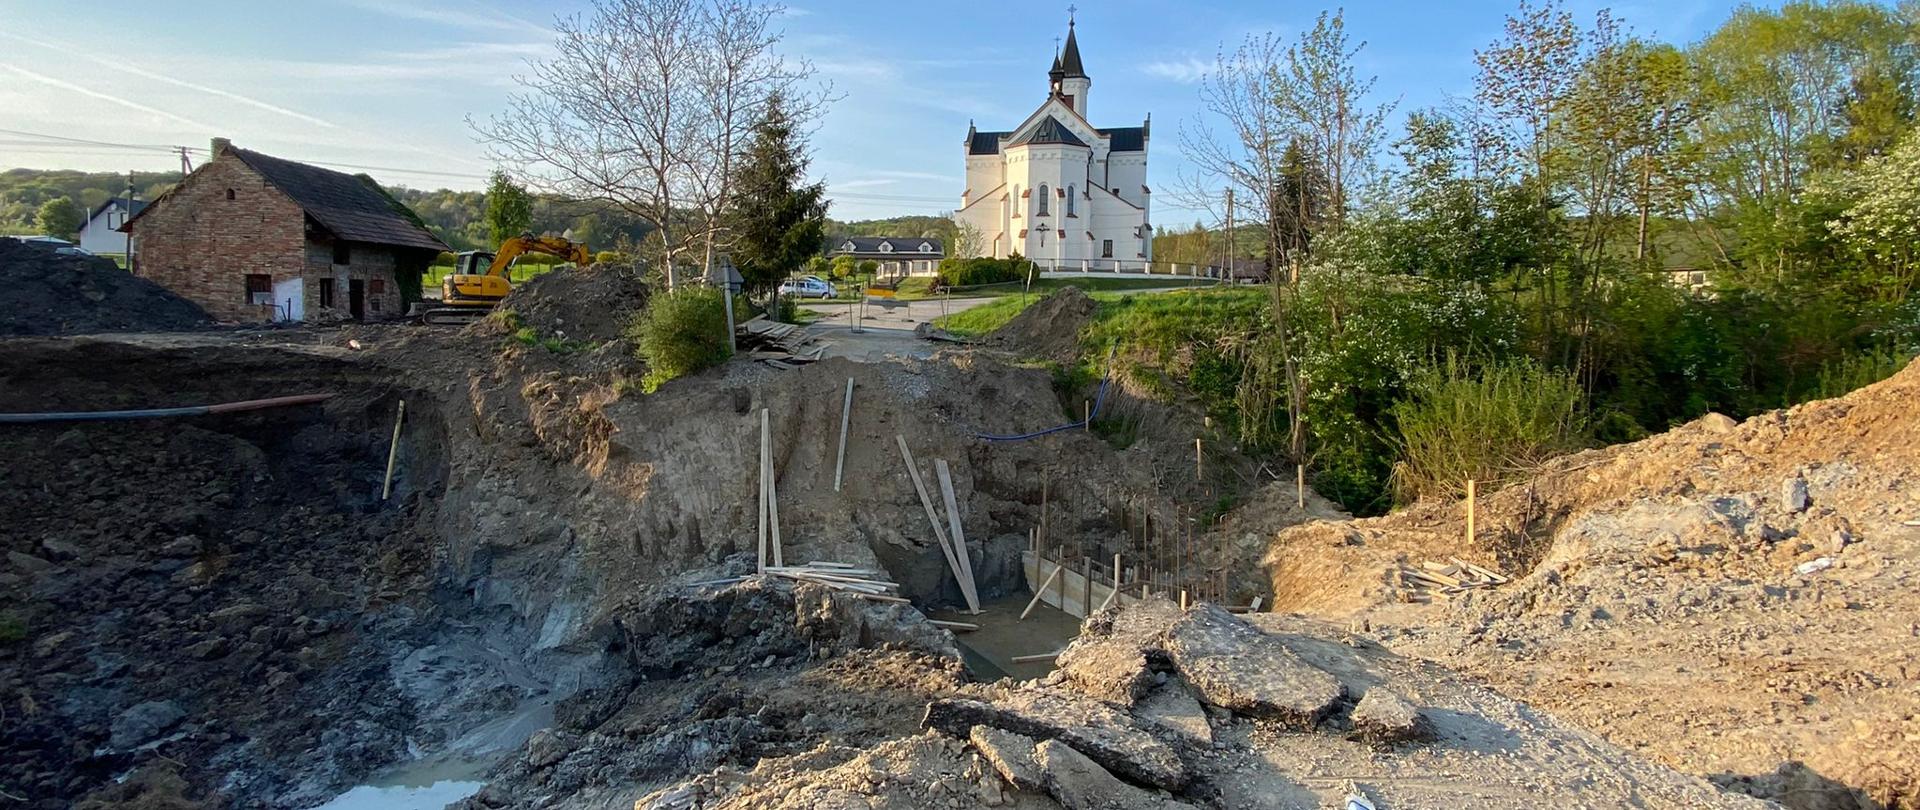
{"points": [[874, 597], [1115, 593], [933, 519], [955, 532], [763, 490], [773, 493], [953, 625], [1042, 590], [1028, 659], [846, 416]]}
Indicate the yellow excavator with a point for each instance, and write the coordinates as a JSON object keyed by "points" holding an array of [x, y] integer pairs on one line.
{"points": [[479, 278]]}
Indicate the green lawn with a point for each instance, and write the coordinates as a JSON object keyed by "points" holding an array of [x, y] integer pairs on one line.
{"points": [[1160, 320], [920, 288]]}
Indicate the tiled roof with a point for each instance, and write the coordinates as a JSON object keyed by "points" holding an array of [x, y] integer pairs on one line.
{"points": [[896, 244], [351, 208], [1126, 139]]}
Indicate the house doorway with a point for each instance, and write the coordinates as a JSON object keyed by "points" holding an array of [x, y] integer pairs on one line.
{"points": [[357, 299]]}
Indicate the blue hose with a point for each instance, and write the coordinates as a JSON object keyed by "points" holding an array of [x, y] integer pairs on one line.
{"points": [[1099, 401]]}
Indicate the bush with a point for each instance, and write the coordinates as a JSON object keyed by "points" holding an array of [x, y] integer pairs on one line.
{"points": [[610, 257], [958, 272], [1491, 426], [681, 333], [1857, 370]]}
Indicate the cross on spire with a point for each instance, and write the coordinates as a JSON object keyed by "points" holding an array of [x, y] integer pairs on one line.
{"points": [[1070, 11]]}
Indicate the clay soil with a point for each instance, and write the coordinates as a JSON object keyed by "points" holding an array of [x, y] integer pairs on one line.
{"points": [[1734, 599]]}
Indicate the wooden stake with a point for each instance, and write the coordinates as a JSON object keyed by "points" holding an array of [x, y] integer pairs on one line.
{"points": [[1040, 591], [1183, 598], [1115, 593], [958, 534], [763, 490], [846, 418], [933, 518], [393, 450], [1300, 484], [1196, 461], [1470, 532], [773, 490], [1086, 409], [953, 625]]}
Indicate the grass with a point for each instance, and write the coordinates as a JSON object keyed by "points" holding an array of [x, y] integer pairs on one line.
{"points": [[1162, 323], [13, 629], [920, 288]]}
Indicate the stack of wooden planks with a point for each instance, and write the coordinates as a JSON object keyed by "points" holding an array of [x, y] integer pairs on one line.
{"points": [[862, 583], [781, 345], [1445, 580]]}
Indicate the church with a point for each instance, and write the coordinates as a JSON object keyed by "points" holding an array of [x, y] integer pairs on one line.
{"points": [[1057, 189]]}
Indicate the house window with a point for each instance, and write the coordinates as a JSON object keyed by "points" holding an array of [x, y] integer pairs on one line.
{"points": [[342, 252], [1106, 248], [259, 288], [377, 286], [1070, 201], [326, 293], [1040, 208], [375, 303], [229, 194]]}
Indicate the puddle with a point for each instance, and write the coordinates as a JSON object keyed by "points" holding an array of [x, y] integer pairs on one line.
{"points": [[989, 651], [423, 785]]}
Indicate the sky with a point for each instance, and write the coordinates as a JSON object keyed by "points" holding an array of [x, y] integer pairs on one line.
{"points": [[387, 86]]}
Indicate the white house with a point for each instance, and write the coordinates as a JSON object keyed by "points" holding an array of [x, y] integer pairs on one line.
{"points": [[101, 234], [895, 255], [1057, 189]]}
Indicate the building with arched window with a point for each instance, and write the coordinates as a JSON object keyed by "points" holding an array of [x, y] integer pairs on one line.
{"points": [[1057, 189]]}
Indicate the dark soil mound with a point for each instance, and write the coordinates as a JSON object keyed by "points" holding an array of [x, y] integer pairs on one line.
{"points": [[1049, 329], [45, 293], [580, 303]]}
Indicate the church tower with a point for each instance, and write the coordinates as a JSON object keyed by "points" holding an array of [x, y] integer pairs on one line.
{"points": [[1070, 77]]}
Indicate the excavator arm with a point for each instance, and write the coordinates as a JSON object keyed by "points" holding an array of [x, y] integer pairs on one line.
{"points": [[528, 243]]}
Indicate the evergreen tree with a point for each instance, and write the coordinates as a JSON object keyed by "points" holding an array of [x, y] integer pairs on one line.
{"points": [[778, 221]]}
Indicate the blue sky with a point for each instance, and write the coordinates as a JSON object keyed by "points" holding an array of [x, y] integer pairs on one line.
{"points": [[389, 83]]}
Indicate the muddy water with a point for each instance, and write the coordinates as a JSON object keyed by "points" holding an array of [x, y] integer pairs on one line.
{"points": [[417, 786], [989, 651]]}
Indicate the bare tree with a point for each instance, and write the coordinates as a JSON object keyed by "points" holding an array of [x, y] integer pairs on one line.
{"points": [[968, 241], [1323, 99], [645, 106]]}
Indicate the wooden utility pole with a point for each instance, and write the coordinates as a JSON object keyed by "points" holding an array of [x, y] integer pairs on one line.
{"points": [[1230, 236]]}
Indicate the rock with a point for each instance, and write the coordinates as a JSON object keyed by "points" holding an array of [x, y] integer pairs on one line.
{"points": [[49, 647], [182, 546], [1093, 728], [60, 549], [1235, 666], [1113, 658], [548, 746], [1841, 538], [1793, 494], [208, 649], [1173, 707], [1010, 754], [1717, 423], [1385, 717], [1078, 783], [28, 563], [145, 722]]}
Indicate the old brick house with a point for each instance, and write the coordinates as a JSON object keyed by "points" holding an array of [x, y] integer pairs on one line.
{"points": [[251, 237]]}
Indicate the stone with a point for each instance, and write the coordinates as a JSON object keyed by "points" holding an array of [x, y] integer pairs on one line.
{"points": [[1384, 717], [1793, 494], [60, 549], [1236, 666], [1173, 707], [548, 746], [1110, 669], [1079, 783], [1094, 728], [48, 647], [1010, 754], [28, 563], [145, 722], [1717, 423]]}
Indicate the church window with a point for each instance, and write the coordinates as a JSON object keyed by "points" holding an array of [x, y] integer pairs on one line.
{"points": [[1070, 201], [1018, 196], [1040, 208], [1106, 248]]}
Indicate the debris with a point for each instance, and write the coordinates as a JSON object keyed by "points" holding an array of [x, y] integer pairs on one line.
{"points": [[1813, 566], [1104, 734], [1010, 754], [1447, 579], [1078, 783], [44, 292], [1235, 666], [1384, 717]]}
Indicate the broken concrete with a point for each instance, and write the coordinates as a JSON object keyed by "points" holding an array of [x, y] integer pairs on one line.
{"points": [[1010, 754], [1235, 666], [1173, 707], [1384, 717], [1078, 783], [1106, 735]]}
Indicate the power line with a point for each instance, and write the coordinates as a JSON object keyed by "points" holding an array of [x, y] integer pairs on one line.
{"points": [[44, 136]]}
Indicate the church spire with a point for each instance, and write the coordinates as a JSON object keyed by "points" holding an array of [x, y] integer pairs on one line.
{"points": [[1069, 59]]}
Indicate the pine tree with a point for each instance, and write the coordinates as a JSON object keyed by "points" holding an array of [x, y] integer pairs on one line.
{"points": [[778, 221]]}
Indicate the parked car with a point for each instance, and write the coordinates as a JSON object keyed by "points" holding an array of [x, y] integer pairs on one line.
{"points": [[60, 246], [808, 287]]}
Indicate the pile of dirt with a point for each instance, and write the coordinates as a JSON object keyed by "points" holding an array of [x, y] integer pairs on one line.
{"points": [[1734, 599], [1050, 329], [43, 292], [592, 304], [1159, 709]]}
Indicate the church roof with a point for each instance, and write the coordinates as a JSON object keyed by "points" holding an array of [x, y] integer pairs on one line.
{"points": [[986, 143], [1126, 139], [1070, 58], [1050, 130]]}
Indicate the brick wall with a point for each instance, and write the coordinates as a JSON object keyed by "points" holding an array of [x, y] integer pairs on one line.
{"points": [[201, 245], [371, 265]]}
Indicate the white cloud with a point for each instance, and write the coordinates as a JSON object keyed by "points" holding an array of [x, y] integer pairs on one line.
{"points": [[124, 67], [1184, 71], [477, 17], [945, 178], [852, 185], [131, 105]]}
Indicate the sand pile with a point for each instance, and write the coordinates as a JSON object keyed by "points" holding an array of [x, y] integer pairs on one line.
{"points": [[45, 293]]}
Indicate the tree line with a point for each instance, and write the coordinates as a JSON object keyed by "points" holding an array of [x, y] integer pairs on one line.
{"points": [[1661, 230]]}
